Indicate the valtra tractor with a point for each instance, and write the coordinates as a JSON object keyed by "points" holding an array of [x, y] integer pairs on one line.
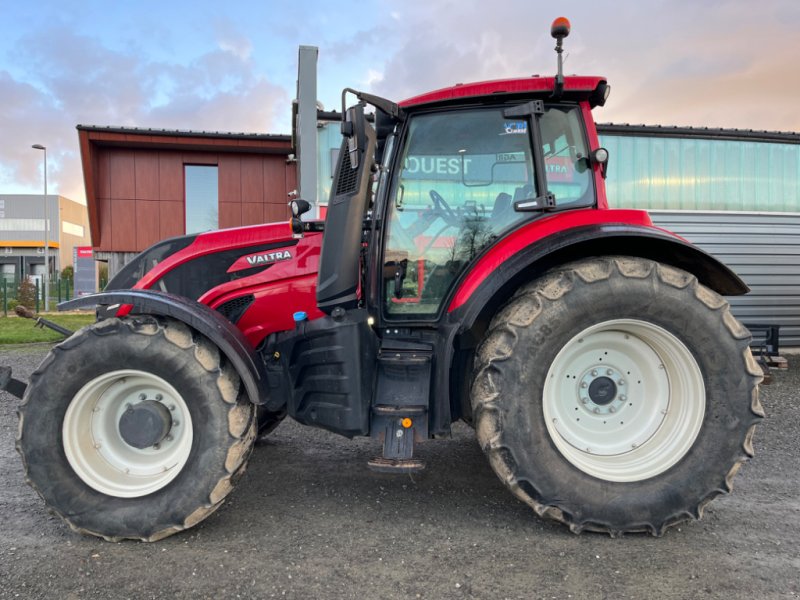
{"points": [[470, 268]]}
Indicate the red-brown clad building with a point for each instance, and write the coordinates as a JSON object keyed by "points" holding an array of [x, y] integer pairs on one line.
{"points": [[144, 185]]}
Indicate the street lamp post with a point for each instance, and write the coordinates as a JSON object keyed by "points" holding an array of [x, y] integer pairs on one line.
{"points": [[46, 232]]}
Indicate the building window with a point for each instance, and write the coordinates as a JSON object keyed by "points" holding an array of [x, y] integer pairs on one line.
{"points": [[72, 228], [202, 195]]}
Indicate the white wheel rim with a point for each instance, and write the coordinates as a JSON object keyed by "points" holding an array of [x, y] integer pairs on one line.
{"points": [[642, 425], [100, 456]]}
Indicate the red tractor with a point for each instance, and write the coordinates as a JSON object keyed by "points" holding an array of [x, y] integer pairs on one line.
{"points": [[469, 268]]}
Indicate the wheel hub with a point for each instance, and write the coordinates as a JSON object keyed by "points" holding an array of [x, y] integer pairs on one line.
{"points": [[602, 391], [145, 424]]}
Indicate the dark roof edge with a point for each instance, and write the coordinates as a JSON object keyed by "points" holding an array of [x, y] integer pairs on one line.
{"points": [[786, 137], [183, 133]]}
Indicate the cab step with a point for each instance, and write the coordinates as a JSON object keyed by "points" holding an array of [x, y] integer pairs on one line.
{"points": [[396, 465], [400, 412]]}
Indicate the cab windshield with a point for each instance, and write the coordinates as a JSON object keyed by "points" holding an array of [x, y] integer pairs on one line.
{"points": [[462, 172]]}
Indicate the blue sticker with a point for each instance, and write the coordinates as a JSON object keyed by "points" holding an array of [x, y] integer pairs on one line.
{"points": [[515, 128]]}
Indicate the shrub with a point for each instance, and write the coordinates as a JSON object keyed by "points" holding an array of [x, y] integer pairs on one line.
{"points": [[26, 293]]}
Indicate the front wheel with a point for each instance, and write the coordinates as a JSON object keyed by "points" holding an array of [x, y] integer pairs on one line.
{"points": [[616, 395], [135, 428]]}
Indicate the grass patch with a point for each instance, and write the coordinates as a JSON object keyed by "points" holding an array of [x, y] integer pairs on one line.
{"points": [[16, 330]]}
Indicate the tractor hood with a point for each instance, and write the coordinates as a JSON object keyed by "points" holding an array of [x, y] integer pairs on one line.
{"points": [[225, 245]]}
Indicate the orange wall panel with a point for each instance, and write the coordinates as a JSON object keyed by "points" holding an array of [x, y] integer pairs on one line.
{"points": [[106, 222], [276, 212], [171, 219], [230, 214], [123, 231], [275, 181], [102, 175], [147, 223], [170, 176], [230, 179], [252, 179], [146, 170], [121, 174], [252, 213]]}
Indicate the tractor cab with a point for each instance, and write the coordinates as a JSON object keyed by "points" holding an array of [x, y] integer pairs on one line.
{"points": [[422, 192]]}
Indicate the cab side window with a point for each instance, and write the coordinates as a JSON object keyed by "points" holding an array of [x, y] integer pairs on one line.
{"points": [[462, 172]]}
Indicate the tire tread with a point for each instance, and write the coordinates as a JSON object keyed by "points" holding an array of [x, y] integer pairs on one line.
{"points": [[500, 343], [241, 413]]}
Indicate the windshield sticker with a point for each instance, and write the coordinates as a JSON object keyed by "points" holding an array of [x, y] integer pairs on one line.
{"points": [[515, 128]]}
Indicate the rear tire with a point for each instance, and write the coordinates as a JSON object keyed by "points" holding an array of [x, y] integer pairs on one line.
{"points": [[70, 427], [616, 395]]}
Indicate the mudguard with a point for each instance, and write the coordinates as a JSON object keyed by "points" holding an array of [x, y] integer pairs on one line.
{"points": [[200, 317], [486, 286]]}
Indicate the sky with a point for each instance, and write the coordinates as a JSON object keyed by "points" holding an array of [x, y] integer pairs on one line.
{"points": [[232, 66]]}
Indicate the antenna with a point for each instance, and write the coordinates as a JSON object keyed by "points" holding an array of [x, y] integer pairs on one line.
{"points": [[559, 30]]}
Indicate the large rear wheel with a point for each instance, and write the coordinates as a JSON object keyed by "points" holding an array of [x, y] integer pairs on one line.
{"points": [[616, 395], [135, 428]]}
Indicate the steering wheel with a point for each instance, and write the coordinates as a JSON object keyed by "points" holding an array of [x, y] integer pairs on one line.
{"points": [[442, 208]]}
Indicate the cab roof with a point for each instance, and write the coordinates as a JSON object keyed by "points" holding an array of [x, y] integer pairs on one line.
{"points": [[573, 85]]}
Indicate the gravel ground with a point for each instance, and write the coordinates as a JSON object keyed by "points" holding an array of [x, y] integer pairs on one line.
{"points": [[308, 520]]}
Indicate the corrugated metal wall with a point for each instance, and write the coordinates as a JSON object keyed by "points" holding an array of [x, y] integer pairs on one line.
{"points": [[763, 249]]}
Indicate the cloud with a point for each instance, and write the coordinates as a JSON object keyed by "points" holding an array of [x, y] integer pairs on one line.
{"points": [[707, 64], [72, 78]]}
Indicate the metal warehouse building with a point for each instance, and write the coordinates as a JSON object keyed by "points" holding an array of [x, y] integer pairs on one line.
{"points": [[734, 193], [22, 234]]}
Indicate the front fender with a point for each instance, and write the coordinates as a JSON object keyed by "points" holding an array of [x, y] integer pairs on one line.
{"points": [[199, 317]]}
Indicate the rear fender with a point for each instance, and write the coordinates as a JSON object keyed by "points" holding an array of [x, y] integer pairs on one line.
{"points": [[471, 318], [581, 242], [199, 317]]}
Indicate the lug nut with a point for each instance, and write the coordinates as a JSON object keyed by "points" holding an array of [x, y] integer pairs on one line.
{"points": [[623, 398], [612, 409], [594, 372], [142, 397], [609, 372], [159, 397], [584, 385], [584, 401], [622, 382], [596, 411]]}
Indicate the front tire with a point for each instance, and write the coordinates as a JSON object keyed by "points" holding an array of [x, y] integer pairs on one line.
{"points": [[616, 395], [134, 428]]}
